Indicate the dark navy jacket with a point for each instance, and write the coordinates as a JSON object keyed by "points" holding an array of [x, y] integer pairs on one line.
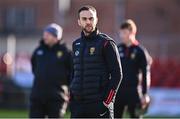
{"points": [[97, 69], [135, 62], [51, 68]]}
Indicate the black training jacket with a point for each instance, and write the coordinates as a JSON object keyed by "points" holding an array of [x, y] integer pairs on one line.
{"points": [[136, 63], [96, 68], [51, 68]]}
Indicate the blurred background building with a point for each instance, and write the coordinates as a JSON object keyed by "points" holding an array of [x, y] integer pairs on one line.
{"points": [[22, 22]]}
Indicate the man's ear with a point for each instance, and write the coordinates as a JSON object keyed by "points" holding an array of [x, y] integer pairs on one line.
{"points": [[97, 21], [79, 23], [131, 35]]}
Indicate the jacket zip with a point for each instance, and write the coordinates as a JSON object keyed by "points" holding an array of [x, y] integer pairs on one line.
{"points": [[82, 69]]}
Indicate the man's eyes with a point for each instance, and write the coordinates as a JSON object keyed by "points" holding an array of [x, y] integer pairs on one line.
{"points": [[84, 19], [91, 18]]}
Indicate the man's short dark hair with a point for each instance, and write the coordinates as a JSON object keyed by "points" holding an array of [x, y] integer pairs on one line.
{"points": [[87, 8], [130, 25]]}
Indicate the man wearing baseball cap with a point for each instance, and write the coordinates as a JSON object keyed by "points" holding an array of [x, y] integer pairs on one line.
{"points": [[51, 64]]}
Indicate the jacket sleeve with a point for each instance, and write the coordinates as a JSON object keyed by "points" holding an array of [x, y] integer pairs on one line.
{"points": [[113, 62], [145, 65]]}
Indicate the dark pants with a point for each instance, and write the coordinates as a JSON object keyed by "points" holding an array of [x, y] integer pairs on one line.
{"points": [[88, 110], [50, 109], [129, 99], [120, 107]]}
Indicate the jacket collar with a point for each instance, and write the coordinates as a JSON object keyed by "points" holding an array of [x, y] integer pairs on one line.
{"points": [[47, 47], [135, 43], [90, 36]]}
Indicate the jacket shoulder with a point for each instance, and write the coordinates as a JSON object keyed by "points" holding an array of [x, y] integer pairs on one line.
{"points": [[143, 51], [76, 41], [141, 48], [37, 49], [64, 47], [105, 38]]}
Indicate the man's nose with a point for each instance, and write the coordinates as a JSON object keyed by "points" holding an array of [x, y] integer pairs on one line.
{"points": [[88, 21]]}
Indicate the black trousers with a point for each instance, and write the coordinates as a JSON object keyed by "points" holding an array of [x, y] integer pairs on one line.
{"points": [[88, 110], [49, 108], [120, 107], [129, 99]]}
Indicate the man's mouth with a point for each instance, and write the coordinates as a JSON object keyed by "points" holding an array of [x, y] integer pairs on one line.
{"points": [[88, 27]]}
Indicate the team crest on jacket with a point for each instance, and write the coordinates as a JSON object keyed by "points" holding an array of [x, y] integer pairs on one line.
{"points": [[133, 55], [59, 54], [92, 50]]}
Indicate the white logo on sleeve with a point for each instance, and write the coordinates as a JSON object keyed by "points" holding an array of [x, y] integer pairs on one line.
{"points": [[76, 53], [40, 52], [78, 43]]}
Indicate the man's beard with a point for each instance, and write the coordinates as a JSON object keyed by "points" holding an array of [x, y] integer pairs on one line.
{"points": [[88, 29]]}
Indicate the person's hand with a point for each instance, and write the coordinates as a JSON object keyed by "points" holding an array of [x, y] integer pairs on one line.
{"points": [[110, 107], [145, 100], [107, 105]]}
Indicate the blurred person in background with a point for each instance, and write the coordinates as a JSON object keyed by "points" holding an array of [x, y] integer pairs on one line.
{"points": [[136, 62], [3, 66], [97, 70], [51, 64]]}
